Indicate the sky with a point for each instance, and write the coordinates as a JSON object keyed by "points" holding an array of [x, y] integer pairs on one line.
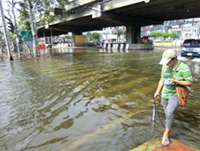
{"points": [[5, 6]]}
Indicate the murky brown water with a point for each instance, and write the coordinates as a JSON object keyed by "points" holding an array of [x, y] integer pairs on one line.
{"points": [[88, 100]]}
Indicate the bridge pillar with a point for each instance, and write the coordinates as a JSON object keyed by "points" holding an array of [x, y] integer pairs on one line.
{"points": [[75, 33], [133, 38], [133, 34]]}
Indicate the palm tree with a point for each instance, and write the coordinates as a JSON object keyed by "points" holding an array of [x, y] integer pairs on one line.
{"points": [[118, 31]]}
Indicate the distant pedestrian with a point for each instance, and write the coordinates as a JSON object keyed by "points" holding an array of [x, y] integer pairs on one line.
{"points": [[1, 54], [182, 77]]}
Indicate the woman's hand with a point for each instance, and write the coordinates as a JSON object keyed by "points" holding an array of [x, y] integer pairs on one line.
{"points": [[172, 81], [184, 83], [156, 95]]}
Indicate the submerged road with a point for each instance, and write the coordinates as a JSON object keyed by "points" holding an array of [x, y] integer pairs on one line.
{"points": [[88, 99]]}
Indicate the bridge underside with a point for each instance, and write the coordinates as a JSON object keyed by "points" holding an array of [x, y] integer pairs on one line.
{"points": [[139, 14]]}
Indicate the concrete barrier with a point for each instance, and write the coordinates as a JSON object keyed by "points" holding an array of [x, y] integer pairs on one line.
{"points": [[125, 46], [141, 47], [62, 45]]}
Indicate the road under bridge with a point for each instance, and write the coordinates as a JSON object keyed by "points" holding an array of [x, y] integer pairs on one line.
{"points": [[91, 15]]}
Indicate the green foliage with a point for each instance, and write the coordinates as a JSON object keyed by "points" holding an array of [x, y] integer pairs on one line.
{"points": [[118, 31], [2, 44], [62, 3], [42, 10], [155, 34], [88, 36], [173, 35], [24, 20], [95, 36], [163, 41], [11, 37], [164, 34]]}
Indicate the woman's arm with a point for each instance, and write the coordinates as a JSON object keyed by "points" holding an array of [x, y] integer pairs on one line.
{"points": [[159, 88], [184, 83]]}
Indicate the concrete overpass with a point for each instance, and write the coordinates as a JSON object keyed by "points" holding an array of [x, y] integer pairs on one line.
{"points": [[96, 14]]}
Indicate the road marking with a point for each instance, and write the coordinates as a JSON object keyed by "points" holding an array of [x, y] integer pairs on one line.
{"points": [[80, 75], [121, 86], [70, 72], [81, 87], [8, 98], [1, 75], [109, 126]]}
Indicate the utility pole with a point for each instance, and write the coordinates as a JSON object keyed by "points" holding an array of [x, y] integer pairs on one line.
{"points": [[5, 33], [34, 32]]}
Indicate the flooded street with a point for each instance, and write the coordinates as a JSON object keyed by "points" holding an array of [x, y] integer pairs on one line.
{"points": [[89, 100]]}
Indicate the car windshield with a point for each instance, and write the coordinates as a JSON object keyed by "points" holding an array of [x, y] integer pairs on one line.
{"points": [[192, 43]]}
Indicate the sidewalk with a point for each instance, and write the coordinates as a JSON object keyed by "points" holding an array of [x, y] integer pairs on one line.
{"points": [[155, 145], [173, 44]]}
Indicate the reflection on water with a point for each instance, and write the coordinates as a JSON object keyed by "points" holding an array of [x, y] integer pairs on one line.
{"points": [[81, 100]]}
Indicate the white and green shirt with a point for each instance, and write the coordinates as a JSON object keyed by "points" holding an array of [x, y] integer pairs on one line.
{"points": [[180, 73]]}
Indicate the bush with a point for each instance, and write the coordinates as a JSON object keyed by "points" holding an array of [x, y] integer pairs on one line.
{"points": [[173, 35], [163, 34], [163, 41]]}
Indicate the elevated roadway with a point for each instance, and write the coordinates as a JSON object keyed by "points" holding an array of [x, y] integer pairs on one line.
{"points": [[94, 15], [97, 14]]}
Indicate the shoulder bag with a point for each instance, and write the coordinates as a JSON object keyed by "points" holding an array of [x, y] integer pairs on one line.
{"points": [[182, 93]]}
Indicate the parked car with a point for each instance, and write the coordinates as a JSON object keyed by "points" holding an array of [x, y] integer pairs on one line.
{"points": [[191, 48], [96, 42], [146, 40], [42, 45], [48, 45]]}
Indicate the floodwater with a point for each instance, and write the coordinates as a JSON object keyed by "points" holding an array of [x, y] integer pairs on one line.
{"points": [[89, 100]]}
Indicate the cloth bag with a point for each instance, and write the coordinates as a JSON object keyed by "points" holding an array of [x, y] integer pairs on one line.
{"points": [[182, 93]]}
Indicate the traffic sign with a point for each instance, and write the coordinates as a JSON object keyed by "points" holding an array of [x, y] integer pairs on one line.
{"points": [[26, 38], [25, 33]]}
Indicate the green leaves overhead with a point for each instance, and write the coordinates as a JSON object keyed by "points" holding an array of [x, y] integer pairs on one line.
{"points": [[43, 12]]}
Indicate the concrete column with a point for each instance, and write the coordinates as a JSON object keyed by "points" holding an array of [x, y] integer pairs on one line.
{"points": [[75, 33], [133, 34]]}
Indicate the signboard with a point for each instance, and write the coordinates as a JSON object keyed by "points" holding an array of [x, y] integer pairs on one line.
{"points": [[25, 33], [80, 39], [26, 38]]}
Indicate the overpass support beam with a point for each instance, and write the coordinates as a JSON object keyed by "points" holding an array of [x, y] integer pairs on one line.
{"points": [[133, 34], [75, 33]]}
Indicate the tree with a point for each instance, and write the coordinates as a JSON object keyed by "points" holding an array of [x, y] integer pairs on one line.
{"points": [[88, 36], [24, 20], [5, 32], [155, 34], [2, 43], [118, 31], [165, 35], [180, 24], [173, 35], [96, 36]]}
